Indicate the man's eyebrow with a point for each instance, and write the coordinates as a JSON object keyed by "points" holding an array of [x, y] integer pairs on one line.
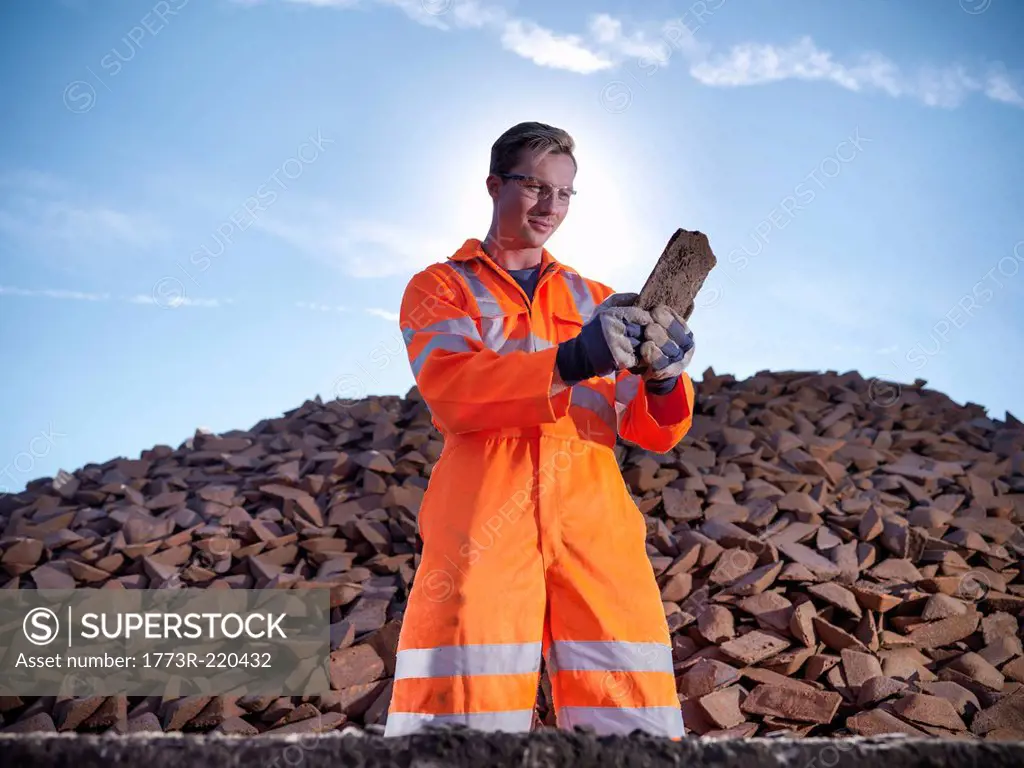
{"points": [[549, 183]]}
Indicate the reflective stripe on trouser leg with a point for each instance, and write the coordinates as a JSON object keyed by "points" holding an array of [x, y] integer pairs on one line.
{"points": [[610, 652], [470, 645], [503, 671], [620, 679]]}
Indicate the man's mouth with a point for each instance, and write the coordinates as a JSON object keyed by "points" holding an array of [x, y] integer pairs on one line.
{"points": [[541, 225]]}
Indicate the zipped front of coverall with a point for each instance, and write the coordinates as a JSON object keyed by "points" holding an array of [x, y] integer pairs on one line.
{"points": [[546, 520], [547, 516], [531, 542]]}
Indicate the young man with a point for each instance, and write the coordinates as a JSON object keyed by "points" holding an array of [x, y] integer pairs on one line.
{"points": [[532, 543]]}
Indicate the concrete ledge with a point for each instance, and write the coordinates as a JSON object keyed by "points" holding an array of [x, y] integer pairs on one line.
{"points": [[475, 750]]}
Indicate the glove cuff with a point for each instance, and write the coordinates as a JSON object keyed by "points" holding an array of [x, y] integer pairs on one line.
{"points": [[584, 356], [600, 356], [572, 362], [661, 386]]}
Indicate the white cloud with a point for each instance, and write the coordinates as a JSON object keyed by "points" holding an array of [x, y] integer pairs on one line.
{"points": [[98, 223], [605, 44], [392, 316], [320, 307], [652, 44], [359, 248], [317, 307], [600, 48], [40, 207], [324, 3], [177, 301], [756, 64], [999, 88], [753, 64], [77, 224], [7, 290], [140, 298], [315, 3], [171, 302], [545, 48], [471, 14]]}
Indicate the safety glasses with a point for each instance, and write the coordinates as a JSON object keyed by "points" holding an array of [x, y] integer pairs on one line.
{"points": [[536, 189]]}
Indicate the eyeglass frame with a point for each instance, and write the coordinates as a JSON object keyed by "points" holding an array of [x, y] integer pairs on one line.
{"points": [[542, 183]]}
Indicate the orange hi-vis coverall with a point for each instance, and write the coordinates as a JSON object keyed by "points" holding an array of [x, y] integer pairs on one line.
{"points": [[531, 541]]}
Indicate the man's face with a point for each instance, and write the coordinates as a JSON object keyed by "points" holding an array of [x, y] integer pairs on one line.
{"points": [[524, 218]]}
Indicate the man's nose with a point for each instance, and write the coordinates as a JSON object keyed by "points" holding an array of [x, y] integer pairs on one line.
{"points": [[545, 205]]}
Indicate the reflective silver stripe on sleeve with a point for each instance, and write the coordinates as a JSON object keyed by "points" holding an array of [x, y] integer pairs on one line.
{"points": [[493, 332], [459, 326], [528, 343], [492, 317], [445, 342], [586, 397], [581, 295], [485, 300], [627, 387]]}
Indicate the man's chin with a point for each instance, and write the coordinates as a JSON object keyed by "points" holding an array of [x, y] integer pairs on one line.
{"points": [[535, 237]]}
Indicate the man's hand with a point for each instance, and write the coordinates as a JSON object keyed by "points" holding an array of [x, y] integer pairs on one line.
{"points": [[609, 341], [666, 350]]}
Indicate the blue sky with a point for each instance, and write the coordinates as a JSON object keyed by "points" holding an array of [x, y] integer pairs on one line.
{"points": [[209, 210]]}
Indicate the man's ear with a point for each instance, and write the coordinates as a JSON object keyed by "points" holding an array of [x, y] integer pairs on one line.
{"points": [[493, 186]]}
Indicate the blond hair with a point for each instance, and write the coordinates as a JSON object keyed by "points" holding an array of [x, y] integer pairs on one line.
{"points": [[529, 136]]}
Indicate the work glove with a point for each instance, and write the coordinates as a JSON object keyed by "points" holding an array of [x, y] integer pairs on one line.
{"points": [[666, 350], [608, 342]]}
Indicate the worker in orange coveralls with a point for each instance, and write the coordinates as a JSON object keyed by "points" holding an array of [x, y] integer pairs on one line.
{"points": [[532, 543]]}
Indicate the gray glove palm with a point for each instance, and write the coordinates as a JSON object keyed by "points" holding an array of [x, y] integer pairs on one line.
{"points": [[667, 348]]}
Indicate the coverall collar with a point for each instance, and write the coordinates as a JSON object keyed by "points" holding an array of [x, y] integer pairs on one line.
{"points": [[473, 249]]}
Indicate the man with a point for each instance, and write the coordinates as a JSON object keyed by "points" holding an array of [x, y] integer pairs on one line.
{"points": [[532, 544]]}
